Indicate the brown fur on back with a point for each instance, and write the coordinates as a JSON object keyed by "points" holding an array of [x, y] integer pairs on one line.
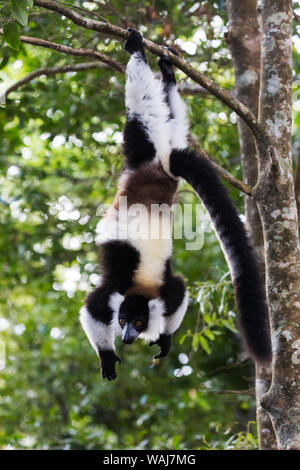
{"points": [[149, 291], [147, 185]]}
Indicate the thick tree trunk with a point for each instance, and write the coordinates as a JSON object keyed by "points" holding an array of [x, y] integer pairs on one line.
{"points": [[244, 40], [297, 182], [275, 195]]}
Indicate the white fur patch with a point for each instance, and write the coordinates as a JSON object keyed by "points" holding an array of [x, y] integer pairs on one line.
{"points": [[153, 255], [156, 311], [179, 123], [115, 301], [171, 323], [100, 335]]}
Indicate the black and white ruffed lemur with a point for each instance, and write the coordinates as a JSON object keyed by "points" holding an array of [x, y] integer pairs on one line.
{"points": [[139, 296]]}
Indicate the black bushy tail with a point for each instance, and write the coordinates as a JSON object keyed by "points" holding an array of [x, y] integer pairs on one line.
{"points": [[248, 286]]}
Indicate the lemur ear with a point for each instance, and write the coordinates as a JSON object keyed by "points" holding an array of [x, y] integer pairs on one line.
{"points": [[115, 302]]}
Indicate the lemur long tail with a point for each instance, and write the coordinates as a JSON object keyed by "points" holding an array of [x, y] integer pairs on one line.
{"points": [[249, 291]]}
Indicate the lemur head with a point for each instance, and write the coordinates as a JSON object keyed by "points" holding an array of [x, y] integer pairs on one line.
{"points": [[138, 316], [133, 317]]}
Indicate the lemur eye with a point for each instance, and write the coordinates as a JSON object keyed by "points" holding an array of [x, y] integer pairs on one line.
{"points": [[138, 323], [122, 322]]}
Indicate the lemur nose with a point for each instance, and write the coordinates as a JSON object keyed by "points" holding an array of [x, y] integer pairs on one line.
{"points": [[128, 340], [129, 334]]}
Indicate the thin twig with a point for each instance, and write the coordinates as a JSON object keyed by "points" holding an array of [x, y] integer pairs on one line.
{"points": [[250, 392], [89, 12]]}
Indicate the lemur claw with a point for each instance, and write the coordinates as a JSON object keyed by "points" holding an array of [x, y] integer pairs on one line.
{"points": [[165, 343], [171, 49], [107, 366], [165, 57], [160, 355], [134, 43], [132, 30], [166, 66]]}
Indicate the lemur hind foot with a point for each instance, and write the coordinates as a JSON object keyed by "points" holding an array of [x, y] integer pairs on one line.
{"points": [[134, 43], [166, 66]]}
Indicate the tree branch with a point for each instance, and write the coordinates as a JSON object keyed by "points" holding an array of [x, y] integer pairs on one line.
{"points": [[245, 188], [105, 27], [186, 88], [249, 392], [48, 71], [72, 51]]}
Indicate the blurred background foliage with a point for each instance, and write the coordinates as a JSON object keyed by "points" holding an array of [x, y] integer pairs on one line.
{"points": [[60, 157]]}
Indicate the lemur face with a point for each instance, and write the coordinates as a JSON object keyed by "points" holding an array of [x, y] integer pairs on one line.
{"points": [[133, 317]]}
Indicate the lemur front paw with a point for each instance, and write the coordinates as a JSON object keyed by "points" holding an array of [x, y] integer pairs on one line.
{"points": [[134, 42], [165, 343], [107, 364], [166, 67]]}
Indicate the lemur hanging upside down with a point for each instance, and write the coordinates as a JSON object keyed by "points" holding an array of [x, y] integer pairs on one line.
{"points": [[139, 296]]}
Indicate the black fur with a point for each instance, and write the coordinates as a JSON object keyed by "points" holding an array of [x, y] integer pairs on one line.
{"points": [[97, 303], [135, 308], [249, 291], [168, 76], [119, 260], [166, 68], [172, 291], [137, 147], [165, 343], [107, 364], [134, 43]]}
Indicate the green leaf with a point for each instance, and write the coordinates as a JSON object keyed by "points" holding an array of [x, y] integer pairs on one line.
{"points": [[228, 324], [205, 345], [5, 10], [195, 343], [207, 318], [209, 334], [4, 62], [176, 441], [28, 3], [182, 339], [19, 11], [12, 36]]}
